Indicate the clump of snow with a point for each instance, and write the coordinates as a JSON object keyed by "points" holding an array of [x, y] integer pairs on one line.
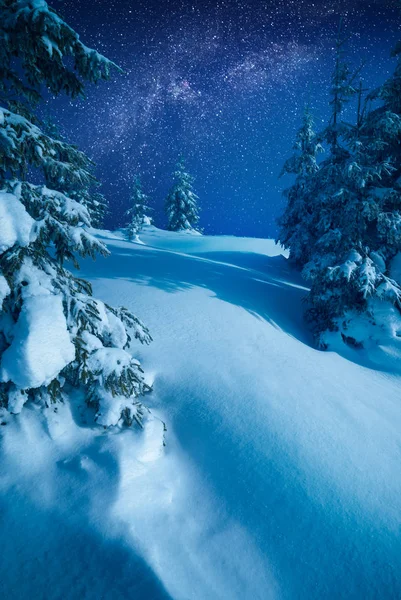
{"points": [[34, 281], [92, 342], [41, 347], [111, 408], [16, 225], [111, 326], [112, 363], [16, 400], [4, 289], [109, 361]]}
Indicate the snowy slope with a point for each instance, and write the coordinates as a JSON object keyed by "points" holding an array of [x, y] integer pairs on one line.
{"points": [[281, 474]]}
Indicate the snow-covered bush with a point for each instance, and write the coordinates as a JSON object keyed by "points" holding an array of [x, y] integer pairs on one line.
{"points": [[52, 330], [182, 203]]}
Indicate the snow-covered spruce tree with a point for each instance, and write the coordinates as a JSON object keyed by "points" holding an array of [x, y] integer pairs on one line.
{"points": [[331, 233], [304, 220], [347, 271], [86, 193], [340, 268], [294, 223], [182, 203], [138, 214], [356, 293], [351, 291], [52, 330]]}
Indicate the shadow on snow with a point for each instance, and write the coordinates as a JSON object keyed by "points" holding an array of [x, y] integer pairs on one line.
{"points": [[264, 286]]}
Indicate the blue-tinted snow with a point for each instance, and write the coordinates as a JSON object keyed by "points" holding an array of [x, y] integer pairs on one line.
{"points": [[281, 474]]}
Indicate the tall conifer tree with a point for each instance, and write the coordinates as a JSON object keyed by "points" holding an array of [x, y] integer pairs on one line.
{"points": [[52, 330], [295, 221]]}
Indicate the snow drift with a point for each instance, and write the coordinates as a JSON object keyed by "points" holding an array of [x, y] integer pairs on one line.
{"points": [[278, 475]]}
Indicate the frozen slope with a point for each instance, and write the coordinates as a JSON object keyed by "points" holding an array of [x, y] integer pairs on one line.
{"points": [[281, 473]]}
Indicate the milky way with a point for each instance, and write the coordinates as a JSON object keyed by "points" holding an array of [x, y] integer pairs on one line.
{"points": [[223, 82]]}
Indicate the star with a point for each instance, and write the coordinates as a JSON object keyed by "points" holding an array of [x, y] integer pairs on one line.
{"points": [[223, 82]]}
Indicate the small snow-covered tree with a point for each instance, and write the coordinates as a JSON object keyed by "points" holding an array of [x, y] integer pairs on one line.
{"points": [[182, 203], [52, 330], [139, 211]]}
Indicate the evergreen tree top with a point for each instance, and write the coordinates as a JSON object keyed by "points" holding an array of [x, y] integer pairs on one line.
{"points": [[307, 145], [343, 88], [42, 55], [138, 196], [137, 188]]}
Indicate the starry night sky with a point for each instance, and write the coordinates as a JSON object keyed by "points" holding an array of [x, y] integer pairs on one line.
{"points": [[225, 83]]}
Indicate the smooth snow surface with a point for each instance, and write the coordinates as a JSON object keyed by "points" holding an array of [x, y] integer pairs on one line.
{"points": [[280, 477]]}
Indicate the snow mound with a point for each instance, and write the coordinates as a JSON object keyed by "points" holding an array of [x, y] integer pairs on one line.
{"points": [[192, 242]]}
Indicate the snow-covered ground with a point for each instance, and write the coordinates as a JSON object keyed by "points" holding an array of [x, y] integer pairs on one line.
{"points": [[280, 477]]}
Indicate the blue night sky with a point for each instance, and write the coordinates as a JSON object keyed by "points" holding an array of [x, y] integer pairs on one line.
{"points": [[223, 82]]}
